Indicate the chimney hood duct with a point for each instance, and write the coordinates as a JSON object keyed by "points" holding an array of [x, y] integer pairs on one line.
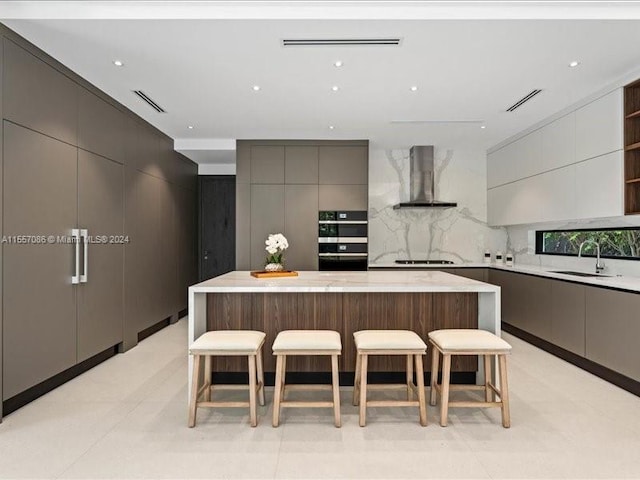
{"points": [[422, 181]]}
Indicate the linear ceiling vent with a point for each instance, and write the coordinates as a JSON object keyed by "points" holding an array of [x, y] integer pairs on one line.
{"points": [[524, 99], [146, 98], [340, 42]]}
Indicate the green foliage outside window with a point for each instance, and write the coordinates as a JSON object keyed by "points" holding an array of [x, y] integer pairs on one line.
{"points": [[623, 243]]}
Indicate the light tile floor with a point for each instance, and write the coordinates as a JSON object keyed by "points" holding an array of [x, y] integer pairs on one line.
{"points": [[126, 418]]}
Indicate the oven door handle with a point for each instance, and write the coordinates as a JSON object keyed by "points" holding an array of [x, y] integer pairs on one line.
{"points": [[343, 222], [343, 254], [343, 239]]}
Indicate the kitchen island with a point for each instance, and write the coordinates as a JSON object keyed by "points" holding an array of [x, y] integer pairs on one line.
{"points": [[421, 301]]}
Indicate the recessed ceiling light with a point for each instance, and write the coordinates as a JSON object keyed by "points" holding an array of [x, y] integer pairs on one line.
{"points": [[414, 88], [331, 127], [575, 63], [483, 126], [190, 127], [335, 88], [118, 63], [338, 63], [256, 88]]}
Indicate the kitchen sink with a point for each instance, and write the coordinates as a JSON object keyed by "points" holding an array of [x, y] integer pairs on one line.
{"points": [[580, 274]]}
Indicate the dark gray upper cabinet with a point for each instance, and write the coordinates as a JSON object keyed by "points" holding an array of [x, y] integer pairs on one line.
{"points": [[343, 165], [613, 330], [342, 197], [301, 164], [301, 226], [101, 212], [38, 96], [568, 316], [101, 127], [267, 216], [267, 164], [39, 305]]}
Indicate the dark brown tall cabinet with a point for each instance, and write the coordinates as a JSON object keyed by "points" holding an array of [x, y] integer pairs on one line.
{"points": [[72, 158]]}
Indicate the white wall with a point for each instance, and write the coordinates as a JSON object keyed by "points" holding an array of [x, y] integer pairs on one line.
{"points": [[459, 234]]}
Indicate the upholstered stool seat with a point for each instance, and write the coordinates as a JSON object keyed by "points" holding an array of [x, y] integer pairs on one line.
{"points": [[389, 342], [306, 342], [220, 341], [469, 342], [226, 343], [453, 340], [325, 340]]}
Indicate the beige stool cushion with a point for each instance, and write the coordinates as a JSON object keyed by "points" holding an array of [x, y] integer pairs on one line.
{"points": [[388, 340], [453, 340], [227, 341], [291, 340]]}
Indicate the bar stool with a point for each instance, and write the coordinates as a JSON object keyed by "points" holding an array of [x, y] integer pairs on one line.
{"points": [[226, 343], [469, 342], [306, 342], [389, 342]]}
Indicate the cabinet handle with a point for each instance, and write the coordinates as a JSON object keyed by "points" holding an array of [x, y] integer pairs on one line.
{"points": [[84, 233], [75, 235]]}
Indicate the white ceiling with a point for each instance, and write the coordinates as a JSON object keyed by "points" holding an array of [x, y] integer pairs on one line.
{"points": [[202, 73]]}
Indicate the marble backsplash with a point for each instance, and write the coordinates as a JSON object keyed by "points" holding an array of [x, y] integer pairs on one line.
{"points": [[459, 234], [521, 241]]}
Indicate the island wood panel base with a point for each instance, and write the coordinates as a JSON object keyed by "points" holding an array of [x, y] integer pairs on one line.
{"points": [[345, 313]]}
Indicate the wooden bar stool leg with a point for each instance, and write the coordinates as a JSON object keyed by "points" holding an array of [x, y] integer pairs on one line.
{"points": [[356, 381], [336, 390], [284, 375], [277, 391], [363, 389], [409, 377], [422, 403], [194, 391], [487, 378], [260, 377], [444, 400], [435, 360], [208, 361], [504, 392], [253, 387]]}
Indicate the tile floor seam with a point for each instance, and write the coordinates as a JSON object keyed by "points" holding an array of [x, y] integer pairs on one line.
{"points": [[134, 406]]}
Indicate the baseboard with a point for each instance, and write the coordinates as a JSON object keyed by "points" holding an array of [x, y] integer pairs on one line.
{"points": [[622, 381], [156, 327], [29, 395]]}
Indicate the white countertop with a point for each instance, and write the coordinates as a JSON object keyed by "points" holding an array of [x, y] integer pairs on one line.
{"points": [[631, 284], [371, 281]]}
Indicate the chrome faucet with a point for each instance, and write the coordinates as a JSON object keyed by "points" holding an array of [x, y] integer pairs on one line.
{"points": [[599, 263]]}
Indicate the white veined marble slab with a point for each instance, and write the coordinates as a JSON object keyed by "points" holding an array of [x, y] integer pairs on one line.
{"points": [[370, 281]]}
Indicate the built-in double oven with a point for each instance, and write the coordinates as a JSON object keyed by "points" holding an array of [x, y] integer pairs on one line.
{"points": [[343, 240]]}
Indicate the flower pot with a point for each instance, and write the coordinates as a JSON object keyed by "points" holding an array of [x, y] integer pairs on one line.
{"points": [[273, 267]]}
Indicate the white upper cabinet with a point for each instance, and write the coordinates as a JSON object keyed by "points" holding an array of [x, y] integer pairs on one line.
{"points": [[501, 166], [599, 126], [599, 186], [559, 143], [571, 168], [528, 157]]}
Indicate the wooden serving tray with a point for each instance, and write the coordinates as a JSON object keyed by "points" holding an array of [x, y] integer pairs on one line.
{"points": [[283, 273]]}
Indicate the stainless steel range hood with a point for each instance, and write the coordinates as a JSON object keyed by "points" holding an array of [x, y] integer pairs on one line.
{"points": [[422, 180]]}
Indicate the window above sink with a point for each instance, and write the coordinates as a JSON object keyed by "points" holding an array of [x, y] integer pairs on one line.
{"points": [[620, 243]]}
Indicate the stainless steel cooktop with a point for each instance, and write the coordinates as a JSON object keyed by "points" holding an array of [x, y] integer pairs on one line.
{"points": [[424, 262]]}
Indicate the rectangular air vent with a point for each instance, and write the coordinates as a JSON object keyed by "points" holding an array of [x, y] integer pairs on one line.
{"points": [[524, 99], [146, 98], [345, 42]]}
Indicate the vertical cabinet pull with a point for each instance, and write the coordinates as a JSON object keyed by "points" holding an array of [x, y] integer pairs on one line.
{"points": [[84, 233], [75, 235]]}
